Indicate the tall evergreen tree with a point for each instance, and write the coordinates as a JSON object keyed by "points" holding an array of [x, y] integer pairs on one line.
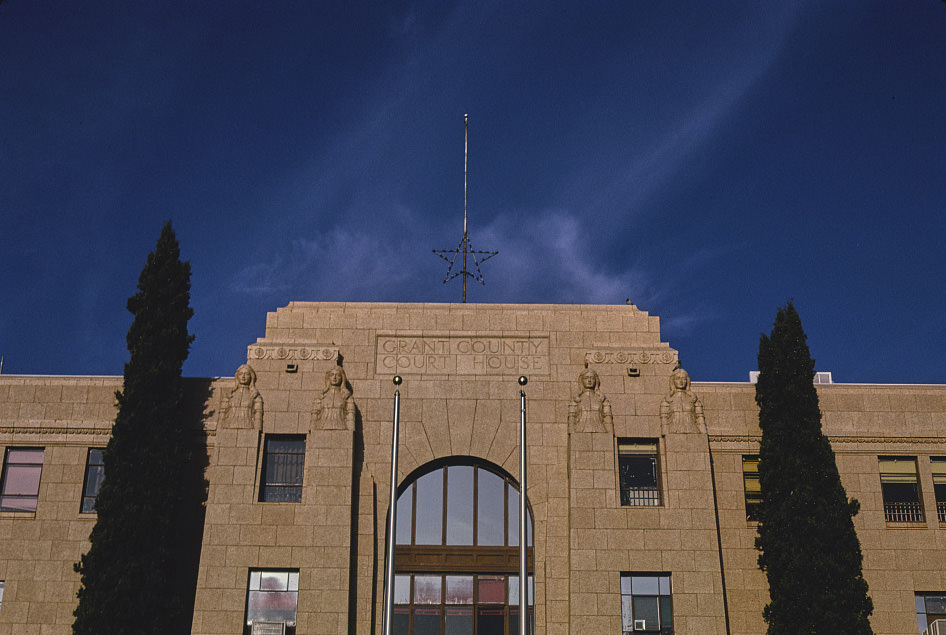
{"points": [[809, 549], [130, 575]]}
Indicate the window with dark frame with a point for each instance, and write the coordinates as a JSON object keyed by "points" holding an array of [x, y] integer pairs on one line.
{"points": [[94, 473], [457, 553], [19, 483], [646, 603], [435, 604], [460, 505], [938, 468], [272, 598], [901, 489], [283, 467], [750, 482], [639, 472], [929, 608]]}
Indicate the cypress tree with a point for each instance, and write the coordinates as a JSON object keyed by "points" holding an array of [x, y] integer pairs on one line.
{"points": [[130, 577], [809, 549]]}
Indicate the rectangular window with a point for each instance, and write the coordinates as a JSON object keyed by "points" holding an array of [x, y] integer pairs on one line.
{"points": [[94, 473], [901, 490], [1, 594], [750, 481], [938, 467], [929, 608], [19, 485], [638, 472], [271, 601], [283, 463], [646, 603]]}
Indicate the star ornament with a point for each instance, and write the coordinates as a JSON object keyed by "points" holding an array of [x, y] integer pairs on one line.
{"points": [[466, 249]]}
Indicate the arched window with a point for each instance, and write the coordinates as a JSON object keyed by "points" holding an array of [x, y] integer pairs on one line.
{"points": [[457, 555]]}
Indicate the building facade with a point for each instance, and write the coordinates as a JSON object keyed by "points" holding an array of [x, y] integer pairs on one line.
{"points": [[640, 483]]}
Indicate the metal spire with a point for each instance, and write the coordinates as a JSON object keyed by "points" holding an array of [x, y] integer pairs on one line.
{"points": [[465, 247]]}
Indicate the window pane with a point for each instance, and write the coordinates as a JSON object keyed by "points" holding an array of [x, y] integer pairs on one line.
{"points": [[627, 613], [645, 608], [459, 589], [490, 509], [283, 465], [427, 589], [402, 589], [405, 512], [491, 590], [935, 604], [427, 620], [22, 480], [666, 613], [644, 585], [460, 505], [274, 581], [638, 471], [664, 584], [25, 455], [402, 620], [269, 599], [489, 620], [512, 538], [900, 492], [94, 474], [429, 530], [459, 620]]}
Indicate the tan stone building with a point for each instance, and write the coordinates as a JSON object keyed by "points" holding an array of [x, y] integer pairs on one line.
{"points": [[640, 485]]}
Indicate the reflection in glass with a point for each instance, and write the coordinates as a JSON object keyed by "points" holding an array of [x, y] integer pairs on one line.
{"points": [[429, 514], [427, 589], [405, 511], [459, 589], [272, 597], [490, 507], [402, 589], [460, 505]]}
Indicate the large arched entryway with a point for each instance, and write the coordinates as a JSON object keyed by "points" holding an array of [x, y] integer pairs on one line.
{"points": [[457, 555]]}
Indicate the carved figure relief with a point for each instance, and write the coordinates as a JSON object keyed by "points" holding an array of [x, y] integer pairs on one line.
{"points": [[335, 408], [681, 410], [589, 411], [243, 405]]}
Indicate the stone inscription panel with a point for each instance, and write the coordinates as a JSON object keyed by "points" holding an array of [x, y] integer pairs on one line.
{"points": [[462, 355]]}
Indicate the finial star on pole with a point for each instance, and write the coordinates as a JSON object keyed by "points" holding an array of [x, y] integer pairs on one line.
{"points": [[466, 246]]}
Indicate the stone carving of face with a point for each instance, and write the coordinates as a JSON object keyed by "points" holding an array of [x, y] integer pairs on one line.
{"points": [[680, 379], [335, 376], [589, 379], [244, 375]]}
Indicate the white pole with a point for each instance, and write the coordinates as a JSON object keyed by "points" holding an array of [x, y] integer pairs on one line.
{"points": [[523, 547], [392, 517]]}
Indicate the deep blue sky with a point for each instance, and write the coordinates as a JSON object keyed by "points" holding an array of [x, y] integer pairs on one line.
{"points": [[707, 160]]}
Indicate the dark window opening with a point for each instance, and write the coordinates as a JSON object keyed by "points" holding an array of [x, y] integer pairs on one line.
{"points": [[639, 472], [283, 465]]}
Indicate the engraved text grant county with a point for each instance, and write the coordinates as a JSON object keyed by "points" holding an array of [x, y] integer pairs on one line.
{"points": [[463, 355]]}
